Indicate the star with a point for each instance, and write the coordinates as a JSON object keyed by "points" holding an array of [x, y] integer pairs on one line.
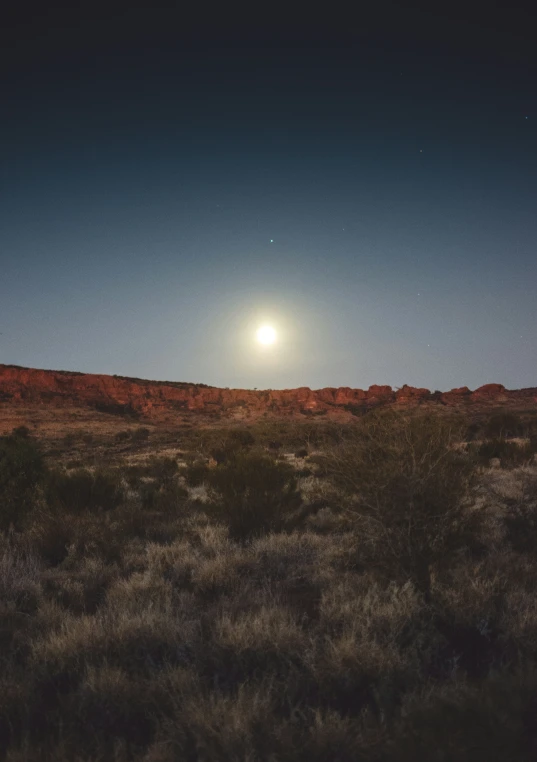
{"points": [[272, 240]]}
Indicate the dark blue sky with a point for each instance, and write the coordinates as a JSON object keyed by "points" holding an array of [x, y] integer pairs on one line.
{"points": [[147, 160]]}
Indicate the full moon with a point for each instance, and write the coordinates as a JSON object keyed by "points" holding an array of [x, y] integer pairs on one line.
{"points": [[266, 334]]}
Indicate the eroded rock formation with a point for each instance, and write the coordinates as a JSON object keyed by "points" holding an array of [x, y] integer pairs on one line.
{"points": [[168, 400]]}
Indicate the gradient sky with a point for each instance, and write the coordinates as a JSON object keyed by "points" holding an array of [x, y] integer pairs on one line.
{"points": [[147, 160]]}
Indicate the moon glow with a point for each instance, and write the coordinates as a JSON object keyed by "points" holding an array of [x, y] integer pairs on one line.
{"points": [[266, 335]]}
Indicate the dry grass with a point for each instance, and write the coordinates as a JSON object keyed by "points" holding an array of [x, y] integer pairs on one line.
{"points": [[153, 637]]}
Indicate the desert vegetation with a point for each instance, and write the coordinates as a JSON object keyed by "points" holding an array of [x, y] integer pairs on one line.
{"points": [[363, 592]]}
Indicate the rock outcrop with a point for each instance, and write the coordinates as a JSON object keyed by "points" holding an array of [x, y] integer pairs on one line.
{"points": [[155, 400]]}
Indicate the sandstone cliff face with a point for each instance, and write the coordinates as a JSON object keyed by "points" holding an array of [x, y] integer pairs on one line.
{"points": [[166, 401]]}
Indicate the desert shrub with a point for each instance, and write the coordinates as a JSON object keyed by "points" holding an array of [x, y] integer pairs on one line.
{"points": [[520, 513], [22, 432], [69, 439], [164, 469], [263, 640], [178, 561], [81, 590], [111, 704], [22, 471], [240, 726], [320, 464], [54, 536], [19, 578], [225, 446], [138, 638], [243, 436], [472, 431], [509, 453], [329, 735], [322, 520], [482, 626], [225, 451], [74, 463], [503, 425], [221, 447], [134, 475], [132, 520], [464, 721], [95, 536], [84, 490], [197, 473], [140, 434], [166, 498], [376, 645], [411, 492], [253, 494], [50, 535], [290, 568]]}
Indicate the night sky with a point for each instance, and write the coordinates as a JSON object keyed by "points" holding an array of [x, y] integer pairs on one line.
{"points": [[369, 189]]}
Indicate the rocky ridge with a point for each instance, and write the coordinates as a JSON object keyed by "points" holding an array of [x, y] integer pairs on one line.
{"points": [[155, 400]]}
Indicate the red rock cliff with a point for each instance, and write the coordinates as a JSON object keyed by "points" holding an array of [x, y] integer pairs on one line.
{"points": [[168, 400]]}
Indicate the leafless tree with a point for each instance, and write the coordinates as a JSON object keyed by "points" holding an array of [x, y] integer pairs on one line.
{"points": [[411, 492]]}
